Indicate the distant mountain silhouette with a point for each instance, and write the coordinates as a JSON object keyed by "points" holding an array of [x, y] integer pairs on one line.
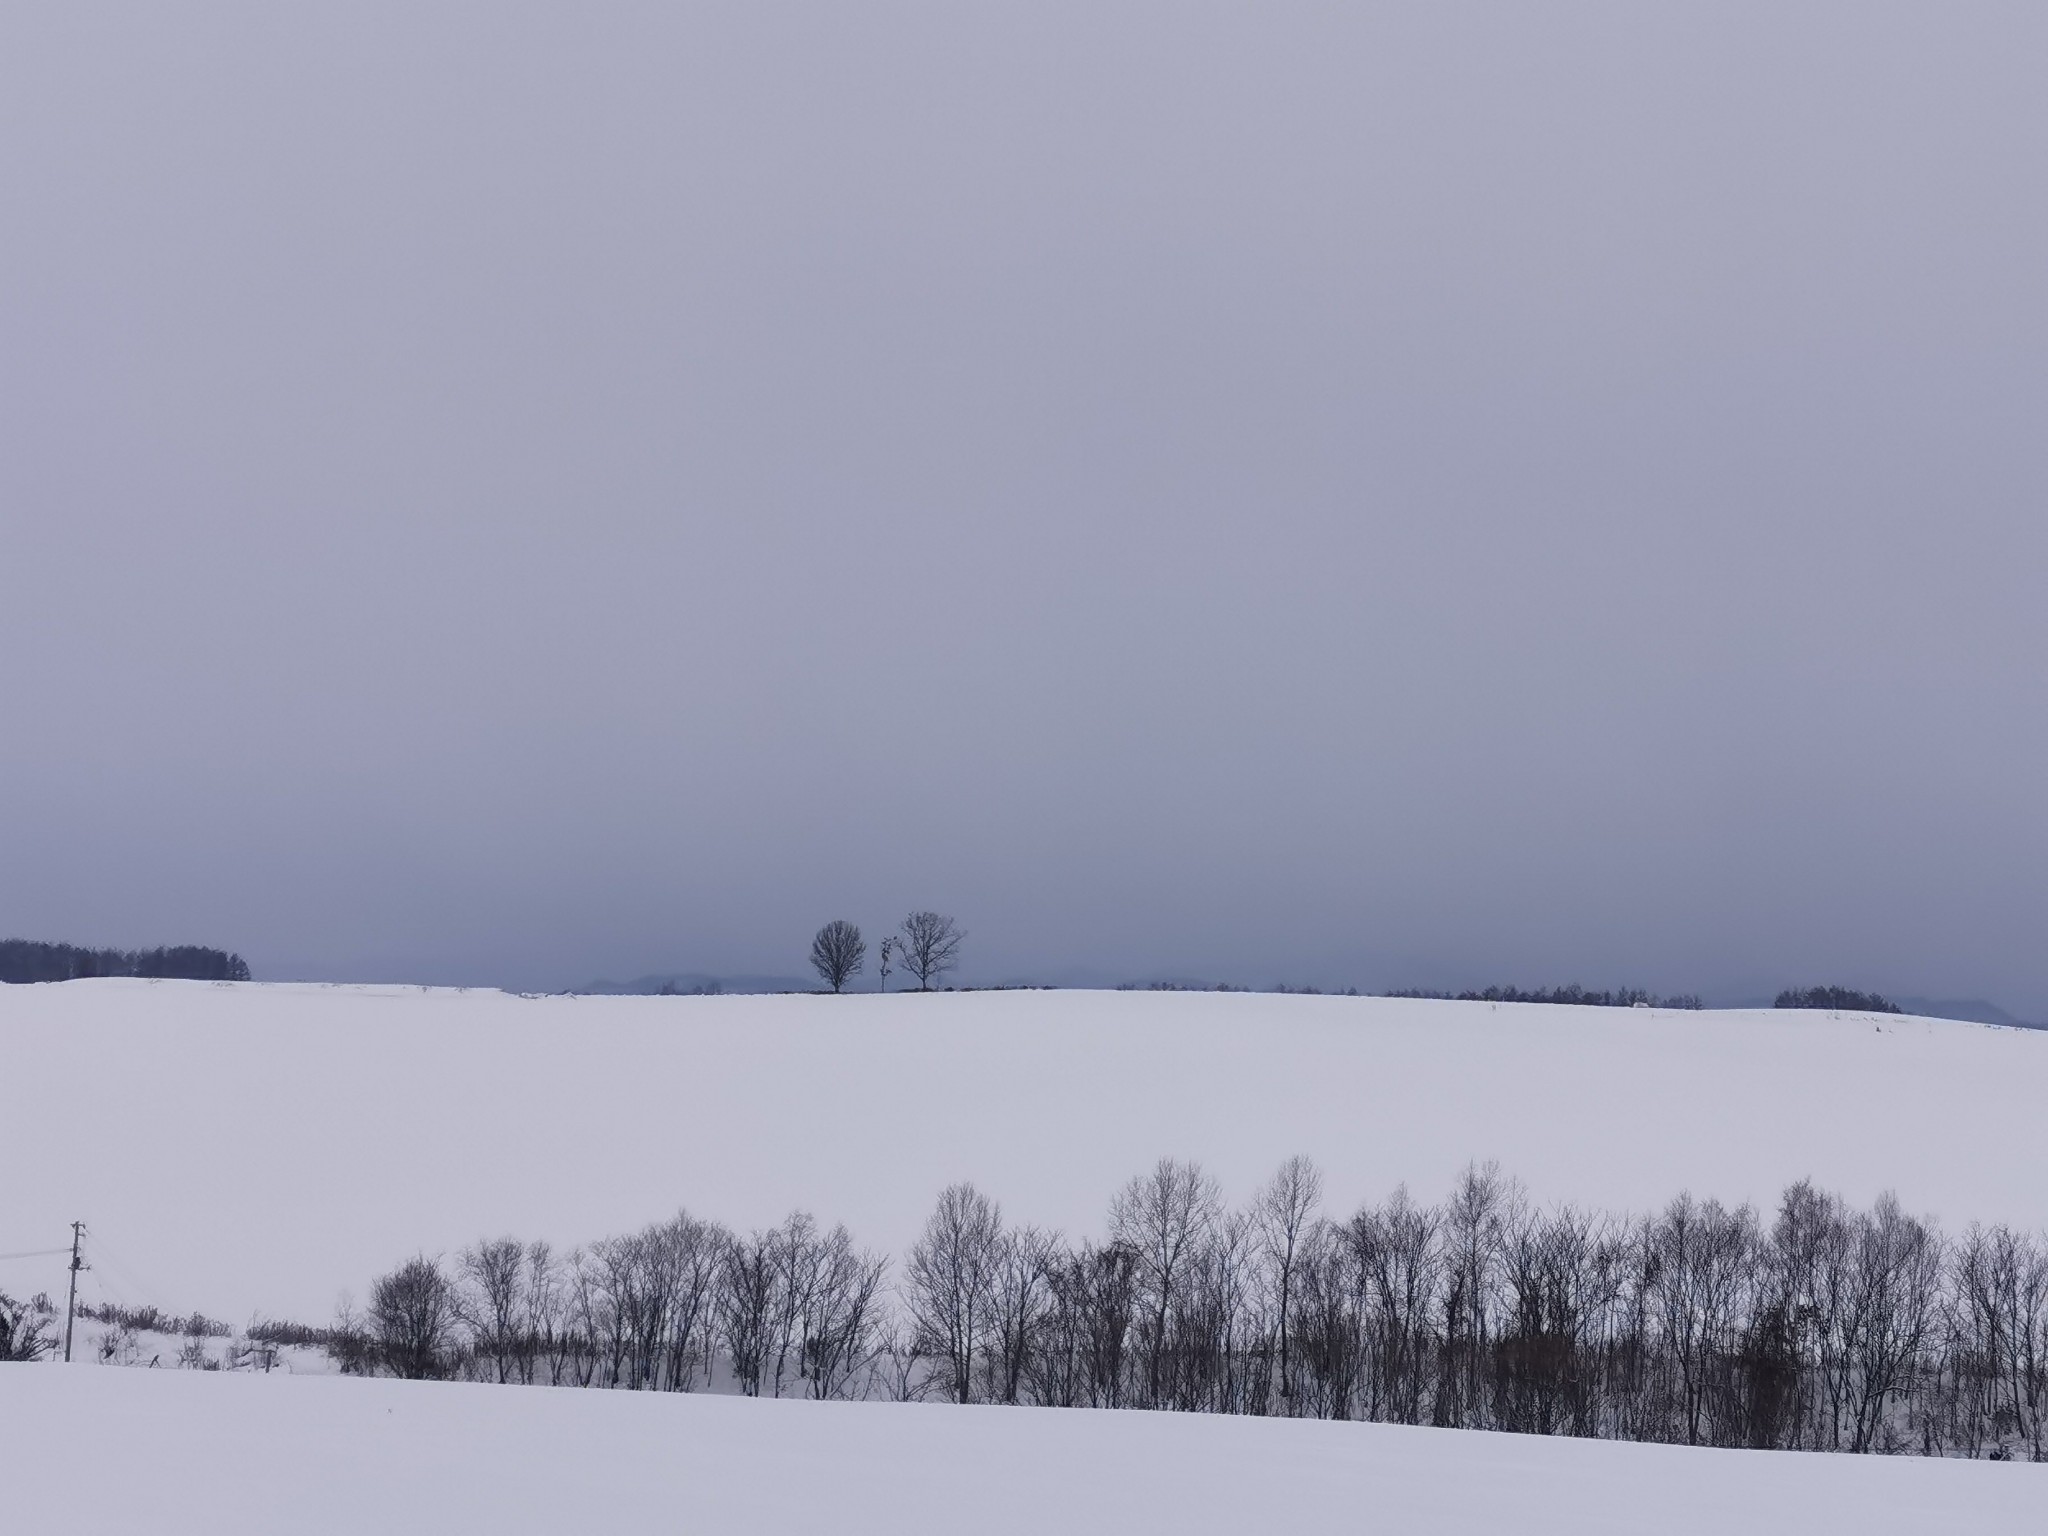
{"points": [[1975, 1009]]}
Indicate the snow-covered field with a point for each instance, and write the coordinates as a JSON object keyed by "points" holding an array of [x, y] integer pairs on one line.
{"points": [[246, 1148], [117, 1452]]}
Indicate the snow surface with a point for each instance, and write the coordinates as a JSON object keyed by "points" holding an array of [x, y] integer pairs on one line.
{"points": [[246, 1148], [112, 1452]]}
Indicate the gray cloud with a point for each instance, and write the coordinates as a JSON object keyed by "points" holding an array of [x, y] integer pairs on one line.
{"points": [[1392, 494]]}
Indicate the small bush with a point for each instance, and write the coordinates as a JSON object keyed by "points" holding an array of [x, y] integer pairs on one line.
{"points": [[286, 1335], [152, 1319], [23, 1328]]}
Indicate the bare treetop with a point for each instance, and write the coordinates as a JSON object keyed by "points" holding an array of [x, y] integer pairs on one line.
{"points": [[838, 952], [929, 946]]}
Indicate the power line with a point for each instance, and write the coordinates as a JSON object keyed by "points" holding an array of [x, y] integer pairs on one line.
{"points": [[132, 1279], [105, 1256], [36, 1253], [103, 1284]]}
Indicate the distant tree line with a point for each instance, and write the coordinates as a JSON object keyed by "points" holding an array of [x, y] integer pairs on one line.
{"points": [[1822, 1327], [927, 946], [1622, 997], [23, 960], [1841, 998], [1625, 997], [1203, 986]]}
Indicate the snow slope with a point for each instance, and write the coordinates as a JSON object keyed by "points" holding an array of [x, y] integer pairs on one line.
{"points": [[261, 1455], [117, 1452], [237, 1148]]}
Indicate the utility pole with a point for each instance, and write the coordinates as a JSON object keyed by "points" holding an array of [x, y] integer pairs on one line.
{"points": [[71, 1303]]}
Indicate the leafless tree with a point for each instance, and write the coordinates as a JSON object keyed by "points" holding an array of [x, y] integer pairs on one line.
{"points": [[1896, 1275], [1560, 1279], [1327, 1325], [1807, 1287], [838, 953], [745, 1305], [2001, 1279], [1020, 1297], [1285, 1211], [413, 1320], [690, 1252], [793, 1299], [842, 1314], [349, 1344], [887, 956], [603, 1280], [489, 1301], [950, 1283], [1701, 1254], [1399, 1252], [1835, 1328], [929, 947], [649, 1300], [1082, 1357], [583, 1319], [545, 1326], [795, 1252], [901, 1369], [1219, 1356], [1163, 1218], [1475, 1222]]}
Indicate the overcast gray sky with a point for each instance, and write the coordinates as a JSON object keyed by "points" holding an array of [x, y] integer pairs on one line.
{"points": [[1395, 495]]}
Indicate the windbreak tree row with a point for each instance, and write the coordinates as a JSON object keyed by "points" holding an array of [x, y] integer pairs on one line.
{"points": [[1823, 1327], [23, 961], [180, 962]]}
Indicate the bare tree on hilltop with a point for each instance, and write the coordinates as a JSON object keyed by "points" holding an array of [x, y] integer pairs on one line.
{"points": [[929, 947], [837, 953]]}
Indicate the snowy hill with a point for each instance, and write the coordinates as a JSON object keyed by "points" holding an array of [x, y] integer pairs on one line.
{"points": [[250, 1456], [248, 1148]]}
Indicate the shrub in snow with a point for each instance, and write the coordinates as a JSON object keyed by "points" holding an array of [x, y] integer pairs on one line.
{"points": [[24, 1328]]}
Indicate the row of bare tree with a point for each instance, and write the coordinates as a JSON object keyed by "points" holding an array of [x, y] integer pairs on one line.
{"points": [[1824, 1328]]}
